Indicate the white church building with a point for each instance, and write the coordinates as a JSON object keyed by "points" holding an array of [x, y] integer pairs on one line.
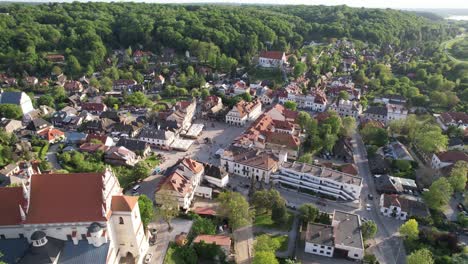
{"points": [[71, 218]]}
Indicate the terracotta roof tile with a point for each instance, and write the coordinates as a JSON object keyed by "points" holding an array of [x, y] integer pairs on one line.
{"points": [[11, 198], [123, 203], [214, 239], [61, 198]]}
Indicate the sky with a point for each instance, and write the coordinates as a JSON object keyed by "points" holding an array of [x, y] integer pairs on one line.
{"points": [[399, 4]]}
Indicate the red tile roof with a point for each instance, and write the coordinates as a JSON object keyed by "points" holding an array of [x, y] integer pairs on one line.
{"points": [[93, 107], [452, 156], [123, 203], [276, 55], [175, 182], [51, 134], [11, 198], [62, 198], [214, 239], [204, 211], [349, 169], [456, 117], [193, 165]]}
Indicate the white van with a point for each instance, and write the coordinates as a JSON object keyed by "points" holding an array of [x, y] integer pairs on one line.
{"points": [[135, 188]]}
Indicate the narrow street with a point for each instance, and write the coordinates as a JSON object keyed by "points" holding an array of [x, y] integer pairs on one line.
{"points": [[52, 157], [387, 246]]}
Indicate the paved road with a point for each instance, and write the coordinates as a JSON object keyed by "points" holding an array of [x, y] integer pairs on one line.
{"points": [[386, 245], [164, 237], [52, 156]]}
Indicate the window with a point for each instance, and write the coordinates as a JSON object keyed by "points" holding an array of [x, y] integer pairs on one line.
{"points": [[356, 255], [121, 221], [321, 251], [314, 250], [322, 246]]}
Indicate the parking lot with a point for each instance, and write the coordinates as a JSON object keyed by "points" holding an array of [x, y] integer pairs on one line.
{"points": [[221, 135]]}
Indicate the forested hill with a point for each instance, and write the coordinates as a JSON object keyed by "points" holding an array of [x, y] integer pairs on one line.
{"points": [[88, 31]]}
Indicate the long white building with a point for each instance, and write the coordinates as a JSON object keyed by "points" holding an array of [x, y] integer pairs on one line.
{"points": [[244, 112], [316, 179]]}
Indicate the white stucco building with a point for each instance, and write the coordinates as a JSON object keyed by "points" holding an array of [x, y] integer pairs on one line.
{"points": [[343, 238], [244, 112], [271, 59], [402, 207], [316, 179]]}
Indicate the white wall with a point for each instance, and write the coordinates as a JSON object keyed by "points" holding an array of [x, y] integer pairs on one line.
{"points": [[318, 250]]}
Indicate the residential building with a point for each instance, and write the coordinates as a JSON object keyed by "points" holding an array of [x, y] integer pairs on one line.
{"points": [[275, 135], [353, 94], [457, 119], [95, 108], [182, 113], [386, 114], [391, 99], [279, 112], [52, 135], [216, 175], [221, 240], [271, 59], [10, 125], [342, 238], [396, 112], [447, 158], [394, 185], [376, 113], [122, 85], [240, 87], [315, 100], [177, 188], [157, 137], [100, 138], [86, 219], [402, 207], [73, 87], [211, 105], [120, 156], [244, 112], [315, 179], [397, 151], [265, 95], [250, 163], [347, 108], [16, 173], [140, 147], [38, 125], [20, 99]]}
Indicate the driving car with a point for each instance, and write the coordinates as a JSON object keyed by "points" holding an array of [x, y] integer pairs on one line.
{"points": [[148, 257]]}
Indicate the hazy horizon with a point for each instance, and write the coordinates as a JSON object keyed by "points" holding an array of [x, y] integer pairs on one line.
{"points": [[396, 4]]}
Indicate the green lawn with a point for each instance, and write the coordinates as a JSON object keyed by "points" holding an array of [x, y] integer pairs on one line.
{"points": [[171, 257], [259, 74], [152, 161], [264, 220]]}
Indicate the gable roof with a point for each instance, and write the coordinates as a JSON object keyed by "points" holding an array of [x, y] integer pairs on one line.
{"points": [[275, 55], [452, 156], [11, 198], [175, 182], [123, 203], [61, 198], [193, 165], [11, 97]]}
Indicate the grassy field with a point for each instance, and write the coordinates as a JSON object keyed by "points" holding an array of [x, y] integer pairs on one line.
{"points": [[447, 46], [264, 220], [259, 74]]}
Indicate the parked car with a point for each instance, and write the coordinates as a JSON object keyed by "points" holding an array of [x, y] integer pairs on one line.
{"points": [[368, 207], [148, 257]]}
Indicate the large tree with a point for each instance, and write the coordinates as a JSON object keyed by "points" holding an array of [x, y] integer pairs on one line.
{"points": [[168, 208], [265, 257], [421, 256], [308, 212], [235, 208], [458, 176], [439, 194], [146, 209], [369, 229], [10, 111], [410, 229]]}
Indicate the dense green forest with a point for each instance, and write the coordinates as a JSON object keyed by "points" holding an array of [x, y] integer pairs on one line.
{"points": [[86, 32], [460, 49]]}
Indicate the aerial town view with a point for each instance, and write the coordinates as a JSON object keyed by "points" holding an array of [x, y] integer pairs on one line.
{"points": [[249, 132]]}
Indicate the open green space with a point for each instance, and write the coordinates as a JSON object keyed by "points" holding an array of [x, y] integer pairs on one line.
{"points": [[264, 220]]}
